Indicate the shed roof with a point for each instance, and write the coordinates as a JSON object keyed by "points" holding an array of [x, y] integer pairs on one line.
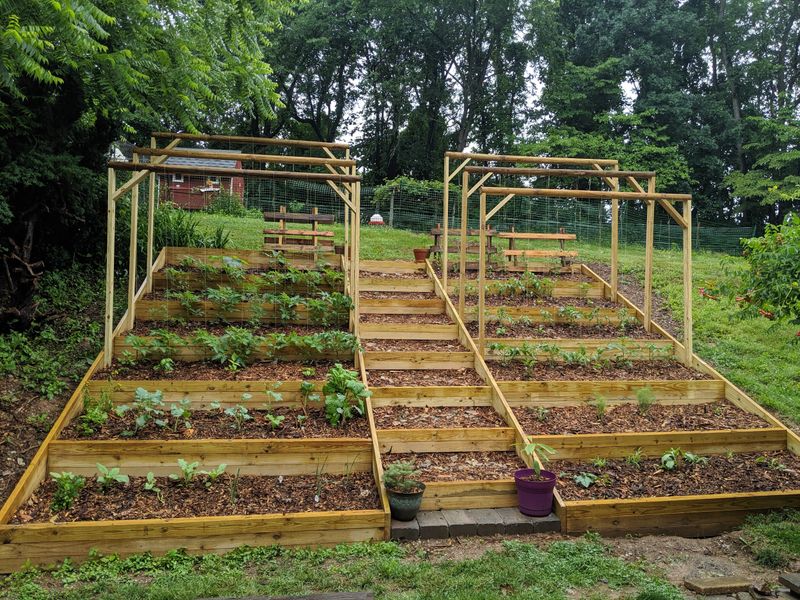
{"points": [[205, 162]]}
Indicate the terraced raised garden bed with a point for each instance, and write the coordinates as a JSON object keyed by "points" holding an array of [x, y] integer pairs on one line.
{"points": [[596, 417], [424, 377], [461, 466], [401, 345], [436, 417], [692, 475], [638, 369], [273, 370], [411, 319], [228, 495], [520, 329]]}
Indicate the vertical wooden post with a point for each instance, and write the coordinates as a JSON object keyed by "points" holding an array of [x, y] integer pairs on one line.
{"points": [[151, 220], [462, 258], [108, 341], [614, 238], [687, 283], [132, 251], [482, 279], [446, 221], [356, 248], [648, 256], [281, 225], [346, 210]]}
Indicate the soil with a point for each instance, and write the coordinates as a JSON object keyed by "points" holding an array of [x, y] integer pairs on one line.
{"points": [[637, 369], [398, 296], [413, 346], [436, 417], [623, 418], [188, 329], [215, 424], [721, 475], [461, 466], [441, 319], [385, 275], [256, 495], [541, 303], [495, 272], [208, 370], [423, 377], [558, 330]]}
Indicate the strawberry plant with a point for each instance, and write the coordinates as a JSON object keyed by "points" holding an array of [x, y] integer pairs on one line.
{"points": [[225, 299], [675, 458], [569, 314], [307, 394], [109, 478], [159, 346], [68, 488], [275, 421]]}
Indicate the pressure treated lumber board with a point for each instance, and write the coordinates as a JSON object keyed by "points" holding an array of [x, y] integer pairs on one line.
{"points": [[608, 316], [561, 289], [418, 360], [252, 258], [448, 495], [473, 439], [401, 306], [575, 393], [407, 331], [384, 284], [431, 396]]}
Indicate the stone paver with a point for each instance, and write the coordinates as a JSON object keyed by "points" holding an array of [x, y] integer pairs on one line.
{"points": [[432, 525], [442, 524], [708, 586], [405, 530], [791, 581], [461, 522], [489, 521]]}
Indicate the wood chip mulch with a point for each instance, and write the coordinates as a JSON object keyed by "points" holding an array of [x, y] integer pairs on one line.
{"points": [[624, 418], [207, 370], [441, 319], [499, 274], [215, 424], [560, 331], [254, 496], [413, 346], [461, 466], [779, 470], [638, 369], [423, 377], [436, 417], [188, 329], [399, 295]]}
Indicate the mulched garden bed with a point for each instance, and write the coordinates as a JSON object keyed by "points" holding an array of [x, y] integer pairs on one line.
{"points": [[188, 329], [255, 496], [423, 377], [207, 370], [497, 275], [461, 466], [558, 330], [398, 295], [638, 369], [214, 424], [622, 418], [547, 302], [413, 346], [441, 319], [723, 474], [436, 417], [387, 275]]}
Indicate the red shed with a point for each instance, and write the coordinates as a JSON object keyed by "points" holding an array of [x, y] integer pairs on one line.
{"points": [[197, 191]]}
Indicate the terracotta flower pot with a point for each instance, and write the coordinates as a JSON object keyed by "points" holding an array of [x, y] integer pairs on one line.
{"points": [[535, 497], [420, 254], [405, 505]]}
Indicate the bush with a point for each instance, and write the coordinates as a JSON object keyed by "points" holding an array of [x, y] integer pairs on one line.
{"points": [[227, 203], [177, 227]]}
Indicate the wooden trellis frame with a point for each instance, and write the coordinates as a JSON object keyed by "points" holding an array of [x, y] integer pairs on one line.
{"points": [[341, 177], [592, 168]]}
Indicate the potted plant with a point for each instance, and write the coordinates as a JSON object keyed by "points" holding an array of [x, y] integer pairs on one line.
{"points": [[404, 490], [535, 485], [420, 254]]}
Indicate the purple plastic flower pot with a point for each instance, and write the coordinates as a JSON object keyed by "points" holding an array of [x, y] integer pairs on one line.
{"points": [[535, 497]]}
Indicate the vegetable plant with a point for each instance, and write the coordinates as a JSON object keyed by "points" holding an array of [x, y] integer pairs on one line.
{"points": [[187, 474], [600, 404], [234, 348], [344, 395], [401, 476], [645, 398], [181, 412], [68, 488], [147, 407], [307, 394], [188, 300], [95, 413], [213, 475], [110, 477], [634, 459], [150, 485], [585, 480], [225, 299], [239, 414]]}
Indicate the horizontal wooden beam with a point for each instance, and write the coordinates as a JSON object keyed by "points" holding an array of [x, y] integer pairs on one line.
{"points": [[268, 158], [542, 160], [243, 139], [559, 172], [590, 194], [226, 172]]}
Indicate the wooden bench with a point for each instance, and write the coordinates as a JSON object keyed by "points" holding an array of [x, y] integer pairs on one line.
{"points": [[454, 244], [282, 238], [513, 253]]}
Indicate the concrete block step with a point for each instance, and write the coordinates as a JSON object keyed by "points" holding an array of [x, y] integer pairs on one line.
{"points": [[442, 524]]}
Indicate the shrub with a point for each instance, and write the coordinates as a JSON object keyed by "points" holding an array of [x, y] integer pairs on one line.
{"points": [[401, 476], [344, 395], [68, 487], [227, 203]]}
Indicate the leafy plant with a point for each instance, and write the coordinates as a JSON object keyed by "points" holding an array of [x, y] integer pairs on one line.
{"points": [[275, 421], [188, 300], [645, 398], [239, 414], [585, 480], [95, 413], [146, 408], [68, 488], [344, 394], [151, 485], [694, 459], [109, 478], [569, 314], [234, 348], [401, 476], [599, 462], [634, 459], [600, 406], [225, 298], [626, 319], [213, 475], [181, 412], [187, 474], [771, 463], [540, 451], [541, 413]]}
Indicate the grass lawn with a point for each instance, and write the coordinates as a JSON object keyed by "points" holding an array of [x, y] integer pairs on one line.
{"points": [[564, 569], [755, 354]]}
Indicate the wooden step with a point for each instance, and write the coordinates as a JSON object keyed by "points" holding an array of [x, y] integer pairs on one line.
{"points": [[511, 235], [288, 217], [294, 232], [542, 253]]}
